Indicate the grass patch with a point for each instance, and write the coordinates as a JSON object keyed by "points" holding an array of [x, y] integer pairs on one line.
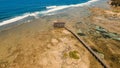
{"points": [[117, 11], [65, 55], [74, 54]]}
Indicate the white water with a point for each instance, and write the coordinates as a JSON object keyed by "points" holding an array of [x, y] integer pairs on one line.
{"points": [[50, 11]]}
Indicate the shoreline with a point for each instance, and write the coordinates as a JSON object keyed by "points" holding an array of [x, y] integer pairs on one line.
{"points": [[38, 38], [47, 12]]}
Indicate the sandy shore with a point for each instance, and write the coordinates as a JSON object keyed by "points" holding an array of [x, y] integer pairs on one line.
{"points": [[47, 49], [37, 44]]}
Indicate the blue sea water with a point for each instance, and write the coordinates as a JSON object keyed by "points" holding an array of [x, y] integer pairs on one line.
{"points": [[14, 8]]}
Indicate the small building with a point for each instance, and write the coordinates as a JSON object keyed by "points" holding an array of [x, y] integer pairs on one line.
{"points": [[59, 24]]}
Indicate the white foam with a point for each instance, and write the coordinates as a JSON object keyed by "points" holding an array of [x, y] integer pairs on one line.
{"points": [[56, 8], [19, 18], [12, 20], [51, 9]]}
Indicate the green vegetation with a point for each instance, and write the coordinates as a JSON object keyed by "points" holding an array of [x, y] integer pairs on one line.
{"points": [[107, 34], [117, 11], [118, 39], [100, 29], [74, 54], [65, 55]]}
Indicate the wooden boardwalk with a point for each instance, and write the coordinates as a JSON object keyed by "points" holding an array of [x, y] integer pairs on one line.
{"points": [[89, 49]]}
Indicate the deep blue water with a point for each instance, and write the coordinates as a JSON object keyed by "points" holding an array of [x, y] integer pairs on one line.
{"points": [[13, 8]]}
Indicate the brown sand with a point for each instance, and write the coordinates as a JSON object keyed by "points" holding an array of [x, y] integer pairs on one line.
{"points": [[37, 45], [28, 47]]}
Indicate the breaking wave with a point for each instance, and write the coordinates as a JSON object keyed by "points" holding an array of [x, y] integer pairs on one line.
{"points": [[49, 11]]}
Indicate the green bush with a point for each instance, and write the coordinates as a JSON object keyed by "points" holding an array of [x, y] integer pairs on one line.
{"points": [[74, 54]]}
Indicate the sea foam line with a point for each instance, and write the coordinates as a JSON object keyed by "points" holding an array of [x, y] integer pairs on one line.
{"points": [[51, 9]]}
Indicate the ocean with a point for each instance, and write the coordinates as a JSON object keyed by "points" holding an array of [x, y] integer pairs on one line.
{"points": [[15, 10]]}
